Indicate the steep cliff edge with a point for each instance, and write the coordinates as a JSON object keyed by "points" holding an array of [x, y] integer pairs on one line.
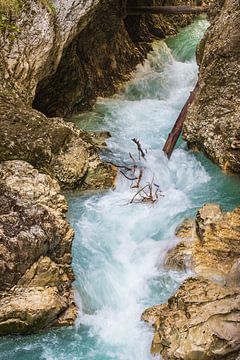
{"points": [[212, 124]]}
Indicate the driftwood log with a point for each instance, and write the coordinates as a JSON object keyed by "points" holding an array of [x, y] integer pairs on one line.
{"points": [[139, 10], [177, 128]]}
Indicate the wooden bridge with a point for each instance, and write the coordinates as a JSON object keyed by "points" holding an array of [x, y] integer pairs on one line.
{"points": [[140, 10]]}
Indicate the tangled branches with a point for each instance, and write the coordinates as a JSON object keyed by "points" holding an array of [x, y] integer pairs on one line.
{"points": [[146, 192]]}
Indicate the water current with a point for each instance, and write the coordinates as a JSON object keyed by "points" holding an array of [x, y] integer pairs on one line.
{"points": [[119, 247]]}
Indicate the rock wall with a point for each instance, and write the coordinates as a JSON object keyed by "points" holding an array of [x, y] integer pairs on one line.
{"points": [[35, 247], [31, 50], [101, 57], [210, 244], [201, 320], [212, 124]]}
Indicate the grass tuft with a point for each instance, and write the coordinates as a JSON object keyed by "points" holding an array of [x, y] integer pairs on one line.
{"points": [[7, 6]]}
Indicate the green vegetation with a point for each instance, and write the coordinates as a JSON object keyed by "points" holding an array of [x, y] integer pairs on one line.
{"points": [[9, 10], [7, 6], [49, 5]]}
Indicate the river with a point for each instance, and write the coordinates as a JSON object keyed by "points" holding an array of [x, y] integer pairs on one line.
{"points": [[119, 247]]}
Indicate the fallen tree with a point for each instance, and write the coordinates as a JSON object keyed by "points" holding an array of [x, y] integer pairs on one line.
{"points": [[139, 10], [177, 128]]}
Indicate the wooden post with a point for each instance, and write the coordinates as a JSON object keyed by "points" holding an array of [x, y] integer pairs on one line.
{"points": [[177, 128], [140, 10]]}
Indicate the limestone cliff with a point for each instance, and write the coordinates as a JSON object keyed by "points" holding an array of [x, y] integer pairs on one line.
{"points": [[210, 244], [212, 124], [200, 322], [31, 50]]}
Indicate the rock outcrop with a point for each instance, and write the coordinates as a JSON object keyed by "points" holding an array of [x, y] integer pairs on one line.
{"points": [[201, 321], [35, 251], [212, 124], [211, 243]]}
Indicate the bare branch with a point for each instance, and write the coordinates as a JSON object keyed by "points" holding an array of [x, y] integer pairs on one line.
{"points": [[139, 147]]}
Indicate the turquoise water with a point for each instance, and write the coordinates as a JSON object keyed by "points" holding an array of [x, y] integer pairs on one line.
{"points": [[119, 248]]}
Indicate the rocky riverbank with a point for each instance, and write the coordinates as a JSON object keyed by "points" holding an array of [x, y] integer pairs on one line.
{"points": [[212, 124], [56, 58], [201, 321], [36, 239]]}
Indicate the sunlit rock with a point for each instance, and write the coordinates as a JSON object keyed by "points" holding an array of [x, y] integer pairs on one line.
{"points": [[210, 244], [200, 322], [35, 251]]}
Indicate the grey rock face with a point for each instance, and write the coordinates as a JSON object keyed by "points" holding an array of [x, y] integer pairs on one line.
{"points": [[212, 124], [35, 251]]}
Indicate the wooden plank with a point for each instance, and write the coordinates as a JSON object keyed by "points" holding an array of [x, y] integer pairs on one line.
{"points": [[139, 10], [177, 128]]}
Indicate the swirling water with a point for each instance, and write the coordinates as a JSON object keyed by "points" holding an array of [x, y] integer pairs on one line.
{"points": [[119, 248]]}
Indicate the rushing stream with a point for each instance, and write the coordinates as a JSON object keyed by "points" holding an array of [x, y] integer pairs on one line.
{"points": [[119, 247]]}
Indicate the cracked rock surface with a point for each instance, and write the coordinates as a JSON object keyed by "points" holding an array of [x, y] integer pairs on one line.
{"points": [[35, 251], [212, 123], [201, 321]]}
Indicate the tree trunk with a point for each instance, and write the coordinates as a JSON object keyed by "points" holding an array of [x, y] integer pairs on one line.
{"points": [[139, 10], [177, 128]]}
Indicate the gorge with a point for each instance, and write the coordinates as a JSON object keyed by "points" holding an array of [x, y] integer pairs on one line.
{"points": [[125, 257]]}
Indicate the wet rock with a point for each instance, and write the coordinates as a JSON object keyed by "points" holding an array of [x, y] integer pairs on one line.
{"points": [[212, 123], [35, 251], [96, 63], [26, 310], [200, 322], [233, 277], [210, 245], [52, 145]]}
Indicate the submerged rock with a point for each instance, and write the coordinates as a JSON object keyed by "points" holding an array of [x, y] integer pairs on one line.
{"points": [[35, 251], [212, 123], [200, 322]]}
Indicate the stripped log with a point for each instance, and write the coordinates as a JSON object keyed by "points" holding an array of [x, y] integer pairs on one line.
{"points": [[139, 10], [177, 128]]}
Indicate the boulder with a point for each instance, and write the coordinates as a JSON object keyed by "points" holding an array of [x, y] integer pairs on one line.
{"points": [[199, 322], [209, 245], [35, 251]]}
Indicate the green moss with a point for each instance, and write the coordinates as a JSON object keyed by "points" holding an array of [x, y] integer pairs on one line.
{"points": [[49, 5], [10, 8], [7, 6]]}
